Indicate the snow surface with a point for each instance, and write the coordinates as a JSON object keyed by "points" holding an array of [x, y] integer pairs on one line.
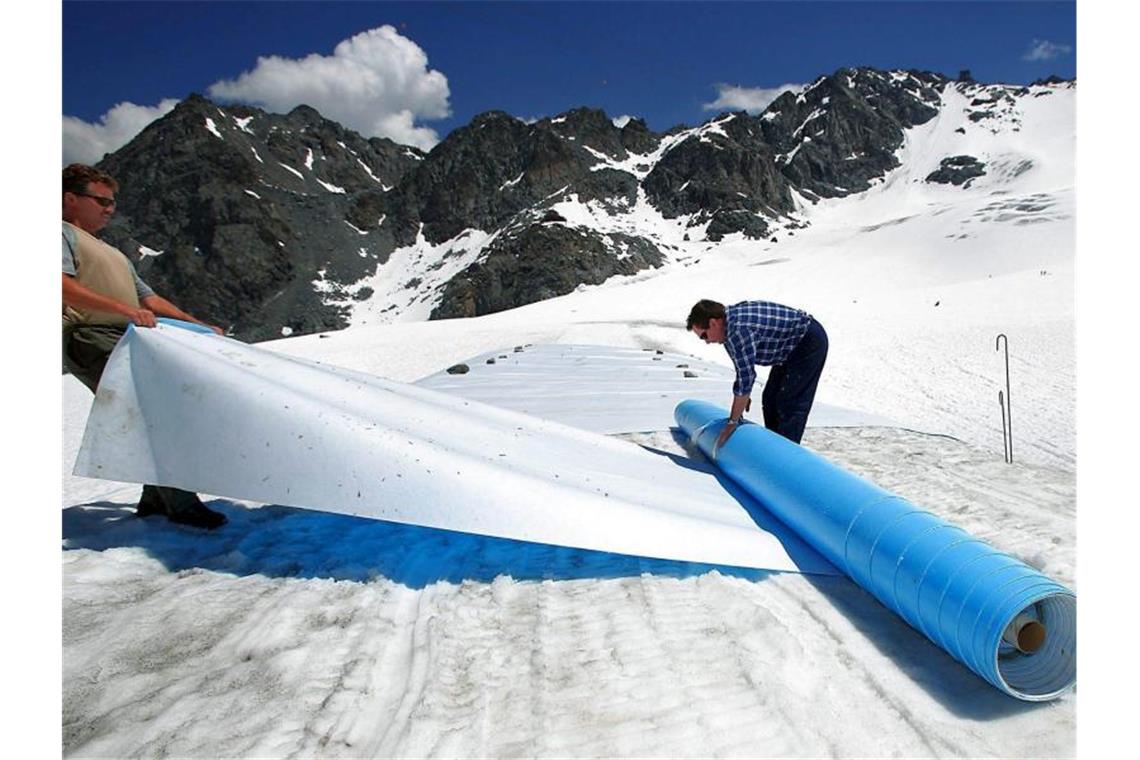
{"points": [[300, 633], [290, 168]]}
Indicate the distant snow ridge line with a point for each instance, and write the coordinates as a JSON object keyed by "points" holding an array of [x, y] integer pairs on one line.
{"points": [[1009, 623], [247, 205]]}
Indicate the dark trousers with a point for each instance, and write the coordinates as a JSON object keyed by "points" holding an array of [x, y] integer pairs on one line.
{"points": [[86, 349], [790, 390]]}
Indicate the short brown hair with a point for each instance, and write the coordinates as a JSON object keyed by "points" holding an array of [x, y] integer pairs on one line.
{"points": [[703, 311], [76, 178]]}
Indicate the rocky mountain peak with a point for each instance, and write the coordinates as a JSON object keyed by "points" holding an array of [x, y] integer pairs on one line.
{"points": [[303, 115], [637, 138], [264, 222], [841, 132], [232, 208]]}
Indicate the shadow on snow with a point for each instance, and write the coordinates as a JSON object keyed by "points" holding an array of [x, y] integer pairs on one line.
{"points": [[278, 541]]}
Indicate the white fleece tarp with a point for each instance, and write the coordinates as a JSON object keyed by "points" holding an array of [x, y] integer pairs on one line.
{"points": [[213, 415], [608, 389]]}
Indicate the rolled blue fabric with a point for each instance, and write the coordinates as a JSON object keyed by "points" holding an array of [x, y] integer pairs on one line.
{"points": [[1009, 623]]}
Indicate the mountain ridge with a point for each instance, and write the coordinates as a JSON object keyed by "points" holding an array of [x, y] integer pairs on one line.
{"points": [[291, 224]]}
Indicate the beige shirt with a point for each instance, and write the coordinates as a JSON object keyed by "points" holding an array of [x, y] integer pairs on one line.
{"points": [[103, 269]]}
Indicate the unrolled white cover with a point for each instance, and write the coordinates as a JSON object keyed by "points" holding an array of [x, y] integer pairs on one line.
{"points": [[213, 415]]}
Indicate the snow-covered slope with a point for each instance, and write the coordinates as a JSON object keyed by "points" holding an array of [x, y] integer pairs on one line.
{"points": [[910, 266], [295, 632]]}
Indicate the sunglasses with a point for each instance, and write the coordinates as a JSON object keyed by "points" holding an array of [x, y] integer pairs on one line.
{"points": [[102, 200]]}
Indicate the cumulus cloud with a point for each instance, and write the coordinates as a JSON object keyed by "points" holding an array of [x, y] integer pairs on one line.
{"points": [[377, 83], [1044, 50], [751, 99], [621, 121], [85, 142]]}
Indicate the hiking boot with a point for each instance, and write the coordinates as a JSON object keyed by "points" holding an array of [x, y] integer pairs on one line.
{"points": [[198, 516], [178, 506], [150, 503]]}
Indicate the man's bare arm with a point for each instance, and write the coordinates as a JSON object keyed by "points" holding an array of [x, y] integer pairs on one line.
{"points": [[164, 308], [79, 296]]}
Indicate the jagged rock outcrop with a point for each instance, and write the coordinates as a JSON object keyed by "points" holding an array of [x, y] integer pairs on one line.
{"points": [[1052, 79], [238, 208], [636, 137], [501, 173], [287, 223], [957, 170], [539, 262], [841, 133], [724, 175], [485, 173]]}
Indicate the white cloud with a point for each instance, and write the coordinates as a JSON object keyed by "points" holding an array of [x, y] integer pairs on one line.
{"points": [[751, 99], [1044, 50], [84, 142], [621, 121], [377, 83]]}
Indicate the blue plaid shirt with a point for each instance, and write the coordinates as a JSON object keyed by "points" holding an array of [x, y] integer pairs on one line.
{"points": [[760, 332]]}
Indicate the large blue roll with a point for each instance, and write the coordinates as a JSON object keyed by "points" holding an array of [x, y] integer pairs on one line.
{"points": [[1007, 622]]}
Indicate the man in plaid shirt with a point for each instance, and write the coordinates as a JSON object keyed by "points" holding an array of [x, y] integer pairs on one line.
{"points": [[788, 340]]}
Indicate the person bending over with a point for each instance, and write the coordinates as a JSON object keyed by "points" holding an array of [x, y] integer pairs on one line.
{"points": [[763, 333]]}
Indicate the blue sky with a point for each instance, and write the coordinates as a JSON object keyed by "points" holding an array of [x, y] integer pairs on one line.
{"points": [[667, 62]]}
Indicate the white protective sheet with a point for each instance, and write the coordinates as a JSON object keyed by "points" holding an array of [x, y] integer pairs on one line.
{"points": [[209, 414], [608, 389]]}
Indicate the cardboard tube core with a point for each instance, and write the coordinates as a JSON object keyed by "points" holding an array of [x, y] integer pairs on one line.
{"points": [[1025, 633]]}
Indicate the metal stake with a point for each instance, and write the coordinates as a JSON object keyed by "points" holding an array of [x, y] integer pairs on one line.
{"points": [[1004, 438], [1007, 409]]}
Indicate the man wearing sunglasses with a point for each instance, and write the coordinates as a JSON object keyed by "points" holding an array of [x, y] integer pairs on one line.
{"points": [[788, 340], [102, 294]]}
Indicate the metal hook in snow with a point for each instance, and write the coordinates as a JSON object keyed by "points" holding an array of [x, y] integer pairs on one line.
{"points": [[1007, 410], [1004, 434]]}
